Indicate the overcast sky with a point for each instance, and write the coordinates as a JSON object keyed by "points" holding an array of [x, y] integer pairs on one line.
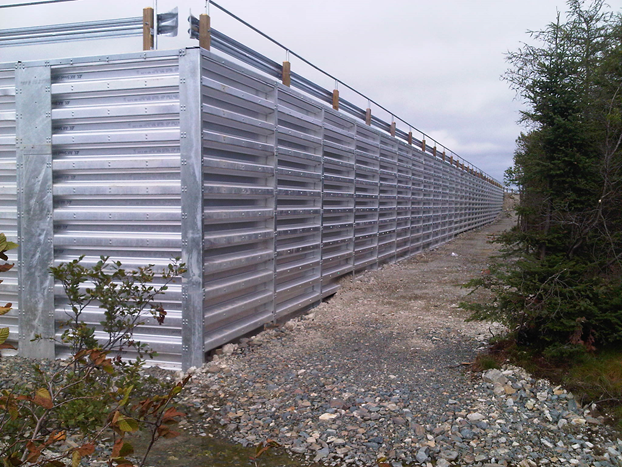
{"points": [[436, 64]]}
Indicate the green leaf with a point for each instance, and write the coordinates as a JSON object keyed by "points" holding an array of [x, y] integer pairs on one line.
{"points": [[126, 397], [75, 459], [43, 398], [126, 450], [4, 335], [128, 425]]}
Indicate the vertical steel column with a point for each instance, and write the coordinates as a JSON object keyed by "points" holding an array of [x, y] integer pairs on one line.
{"points": [[33, 109], [190, 122]]}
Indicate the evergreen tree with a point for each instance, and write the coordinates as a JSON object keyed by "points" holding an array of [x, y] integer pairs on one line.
{"points": [[560, 282]]}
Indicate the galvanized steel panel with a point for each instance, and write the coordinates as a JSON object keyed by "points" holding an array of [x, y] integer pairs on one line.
{"points": [[238, 200], [116, 164]]}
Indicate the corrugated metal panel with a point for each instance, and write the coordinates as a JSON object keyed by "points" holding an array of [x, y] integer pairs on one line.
{"points": [[298, 202], [8, 197], [367, 191], [404, 200], [116, 167], [387, 200], [239, 124], [338, 200]]}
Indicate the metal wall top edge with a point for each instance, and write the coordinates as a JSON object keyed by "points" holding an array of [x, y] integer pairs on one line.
{"points": [[146, 55], [242, 69]]}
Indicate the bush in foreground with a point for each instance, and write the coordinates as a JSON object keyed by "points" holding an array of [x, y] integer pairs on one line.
{"points": [[94, 396]]}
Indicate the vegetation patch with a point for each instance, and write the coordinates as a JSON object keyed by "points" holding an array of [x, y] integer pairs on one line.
{"points": [[557, 284]]}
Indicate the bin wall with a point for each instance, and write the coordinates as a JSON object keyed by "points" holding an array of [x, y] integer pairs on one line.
{"points": [[267, 194]]}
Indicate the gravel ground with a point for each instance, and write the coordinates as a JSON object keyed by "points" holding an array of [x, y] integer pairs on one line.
{"points": [[380, 372]]}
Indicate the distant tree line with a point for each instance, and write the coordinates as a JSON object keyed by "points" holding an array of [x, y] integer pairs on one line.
{"points": [[559, 282]]}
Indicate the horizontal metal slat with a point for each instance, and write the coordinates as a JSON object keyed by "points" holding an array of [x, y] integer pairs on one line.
{"points": [[299, 212], [284, 192], [301, 119], [216, 313], [113, 239], [231, 143], [109, 164], [99, 113], [141, 136], [221, 91], [284, 251], [69, 215], [287, 134], [236, 237], [297, 156], [242, 214], [237, 121], [237, 260], [295, 285], [157, 189], [240, 191], [213, 289], [297, 231], [298, 174], [149, 82], [235, 167]]}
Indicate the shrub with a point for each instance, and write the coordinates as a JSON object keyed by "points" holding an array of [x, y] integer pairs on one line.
{"points": [[94, 393]]}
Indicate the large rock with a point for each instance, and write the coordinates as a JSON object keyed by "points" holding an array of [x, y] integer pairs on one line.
{"points": [[494, 376]]}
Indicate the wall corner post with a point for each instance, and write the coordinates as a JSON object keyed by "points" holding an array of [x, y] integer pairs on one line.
{"points": [[191, 175]]}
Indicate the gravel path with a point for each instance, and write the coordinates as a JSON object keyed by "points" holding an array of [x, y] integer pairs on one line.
{"points": [[379, 374]]}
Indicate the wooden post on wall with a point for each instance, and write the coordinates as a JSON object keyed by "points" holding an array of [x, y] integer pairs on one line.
{"points": [[423, 144], [148, 28], [205, 36], [286, 79], [336, 99], [393, 129], [368, 117], [410, 138]]}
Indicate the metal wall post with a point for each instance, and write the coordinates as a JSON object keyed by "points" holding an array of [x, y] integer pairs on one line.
{"points": [[191, 207], [33, 106]]}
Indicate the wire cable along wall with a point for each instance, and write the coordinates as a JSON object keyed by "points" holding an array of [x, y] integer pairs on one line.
{"points": [[268, 194]]}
